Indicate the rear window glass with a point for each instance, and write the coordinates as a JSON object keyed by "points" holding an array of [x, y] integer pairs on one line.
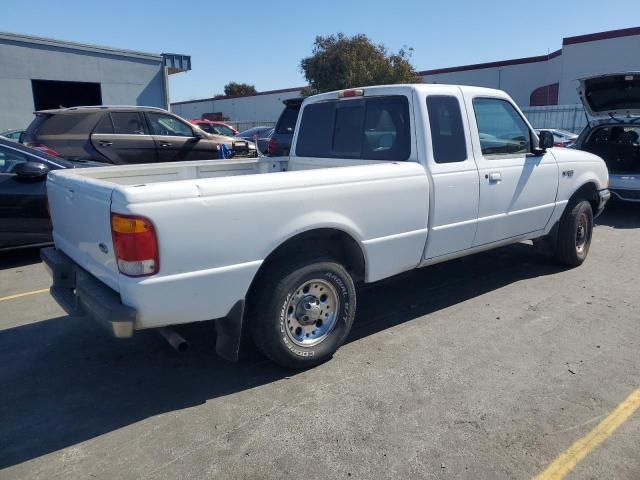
{"points": [[288, 119], [128, 123], [447, 132], [64, 123], [375, 128]]}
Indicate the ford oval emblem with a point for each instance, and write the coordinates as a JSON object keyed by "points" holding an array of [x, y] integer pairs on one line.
{"points": [[103, 248]]}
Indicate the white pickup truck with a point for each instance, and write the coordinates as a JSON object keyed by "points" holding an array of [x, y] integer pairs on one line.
{"points": [[380, 180]]}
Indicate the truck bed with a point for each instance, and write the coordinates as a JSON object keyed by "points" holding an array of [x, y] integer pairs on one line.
{"points": [[168, 172], [216, 221]]}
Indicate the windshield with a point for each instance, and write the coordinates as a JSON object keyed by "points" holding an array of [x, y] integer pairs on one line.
{"points": [[222, 130]]}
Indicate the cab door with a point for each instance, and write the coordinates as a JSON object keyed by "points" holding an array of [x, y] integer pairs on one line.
{"points": [[518, 187], [454, 174]]}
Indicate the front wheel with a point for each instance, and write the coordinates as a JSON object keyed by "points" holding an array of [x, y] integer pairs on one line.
{"points": [[303, 313], [574, 234]]}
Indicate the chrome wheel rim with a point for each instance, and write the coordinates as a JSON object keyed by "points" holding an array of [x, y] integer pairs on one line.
{"points": [[582, 233], [311, 312]]}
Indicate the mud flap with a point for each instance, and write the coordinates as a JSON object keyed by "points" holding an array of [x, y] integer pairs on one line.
{"points": [[229, 332]]}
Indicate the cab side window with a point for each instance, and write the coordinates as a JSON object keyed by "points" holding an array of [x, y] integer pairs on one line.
{"points": [[501, 129], [447, 133]]}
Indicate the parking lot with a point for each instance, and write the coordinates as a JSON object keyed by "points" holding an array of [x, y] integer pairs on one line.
{"points": [[490, 366]]}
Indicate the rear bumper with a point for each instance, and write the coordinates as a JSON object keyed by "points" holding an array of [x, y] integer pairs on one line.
{"points": [[82, 295]]}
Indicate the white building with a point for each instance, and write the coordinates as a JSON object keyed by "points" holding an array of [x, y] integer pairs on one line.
{"points": [[40, 73], [532, 81]]}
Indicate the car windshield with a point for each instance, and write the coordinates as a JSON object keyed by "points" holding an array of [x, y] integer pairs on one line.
{"points": [[222, 130], [259, 131]]}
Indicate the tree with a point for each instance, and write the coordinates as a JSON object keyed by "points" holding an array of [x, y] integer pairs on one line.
{"points": [[338, 62], [233, 89]]}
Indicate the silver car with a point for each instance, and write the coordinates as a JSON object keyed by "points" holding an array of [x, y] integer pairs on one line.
{"points": [[613, 133]]}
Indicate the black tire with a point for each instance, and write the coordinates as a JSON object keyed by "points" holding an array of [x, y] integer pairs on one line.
{"points": [[574, 234], [277, 312]]}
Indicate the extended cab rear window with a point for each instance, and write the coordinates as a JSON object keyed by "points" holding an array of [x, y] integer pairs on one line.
{"points": [[373, 128]]}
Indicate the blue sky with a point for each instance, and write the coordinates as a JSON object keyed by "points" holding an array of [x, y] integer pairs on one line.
{"points": [[262, 43]]}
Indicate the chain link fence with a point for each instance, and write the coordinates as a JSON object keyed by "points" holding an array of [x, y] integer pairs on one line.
{"points": [[565, 117]]}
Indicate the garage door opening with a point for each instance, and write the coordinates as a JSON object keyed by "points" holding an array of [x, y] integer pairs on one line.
{"points": [[55, 94]]}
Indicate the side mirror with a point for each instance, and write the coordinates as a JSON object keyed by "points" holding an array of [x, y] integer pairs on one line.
{"points": [[198, 133], [31, 170], [546, 139]]}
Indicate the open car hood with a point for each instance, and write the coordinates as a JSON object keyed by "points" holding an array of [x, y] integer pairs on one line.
{"points": [[616, 94]]}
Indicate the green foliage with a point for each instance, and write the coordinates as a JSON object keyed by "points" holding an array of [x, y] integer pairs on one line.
{"points": [[340, 62], [233, 89]]}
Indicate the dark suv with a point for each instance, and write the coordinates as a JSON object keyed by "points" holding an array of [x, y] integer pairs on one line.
{"points": [[123, 135], [282, 136]]}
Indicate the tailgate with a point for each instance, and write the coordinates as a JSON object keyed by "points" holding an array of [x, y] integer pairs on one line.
{"points": [[81, 216]]}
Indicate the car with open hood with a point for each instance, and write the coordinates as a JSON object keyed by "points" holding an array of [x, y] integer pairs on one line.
{"points": [[612, 102]]}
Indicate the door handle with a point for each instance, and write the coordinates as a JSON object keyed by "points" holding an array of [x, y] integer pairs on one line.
{"points": [[165, 144], [104, 143], [494, 177]]}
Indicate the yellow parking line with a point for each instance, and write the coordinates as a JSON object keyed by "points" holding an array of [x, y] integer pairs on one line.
{"points": [[25, 294], [581, 448]]}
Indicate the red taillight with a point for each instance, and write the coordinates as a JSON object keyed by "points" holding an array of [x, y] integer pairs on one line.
{"points": [[272, 146], [135, 245], [43, 148]]}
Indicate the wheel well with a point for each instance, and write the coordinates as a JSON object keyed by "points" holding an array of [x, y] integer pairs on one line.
{"points": [[324, 241], [589, 192]]}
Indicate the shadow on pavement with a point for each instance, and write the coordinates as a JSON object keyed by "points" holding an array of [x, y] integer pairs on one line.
{"points": [[63, 381], [19, 258], [619, 214]]}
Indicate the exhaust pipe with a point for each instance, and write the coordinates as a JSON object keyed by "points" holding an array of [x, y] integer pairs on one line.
{"points": [[174, 338]]}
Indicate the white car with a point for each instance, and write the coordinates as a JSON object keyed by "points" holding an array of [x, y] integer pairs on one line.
{"points": [[380, 180]]}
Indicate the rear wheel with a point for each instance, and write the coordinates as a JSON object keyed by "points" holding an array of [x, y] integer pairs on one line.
{"points": [[574, 234], [302, 313]]}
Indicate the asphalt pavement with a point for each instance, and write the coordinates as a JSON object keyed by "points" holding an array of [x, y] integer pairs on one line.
{"points": [[487, 367]]}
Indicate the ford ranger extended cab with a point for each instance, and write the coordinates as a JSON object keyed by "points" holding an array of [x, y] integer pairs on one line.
{"points": [[380, 180]]}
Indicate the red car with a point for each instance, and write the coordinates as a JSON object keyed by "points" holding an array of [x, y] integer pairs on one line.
{"points": [[217, 128]]}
